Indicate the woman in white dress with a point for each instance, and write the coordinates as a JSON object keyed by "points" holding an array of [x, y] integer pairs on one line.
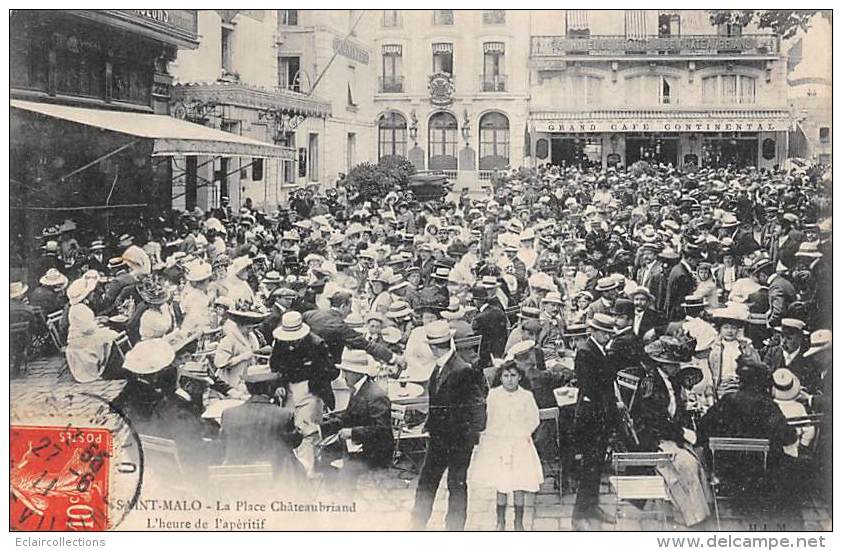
{"points": [[506, 458]]}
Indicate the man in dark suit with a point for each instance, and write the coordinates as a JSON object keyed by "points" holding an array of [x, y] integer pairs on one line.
{"points": [[282, 299], [595, 418], [788, 353], [331, 327], [491, 324], [781, 295], [366, 421], [785, 244], [680, 283], [457, 416], [259, 431], [645, 317], [626, 347]]}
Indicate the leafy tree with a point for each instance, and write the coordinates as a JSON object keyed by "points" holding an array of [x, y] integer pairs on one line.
{"points": [[784, 23], [369, 181], [397, 167]]}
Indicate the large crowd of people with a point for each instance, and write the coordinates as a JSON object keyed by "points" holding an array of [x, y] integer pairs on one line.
{"points": [[290, 336]]}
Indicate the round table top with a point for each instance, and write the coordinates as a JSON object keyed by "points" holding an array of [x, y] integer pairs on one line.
{"points": [[398, 392]]}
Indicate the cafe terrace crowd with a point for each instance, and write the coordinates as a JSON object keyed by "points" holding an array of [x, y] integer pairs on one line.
{"points": [[320, 331]]}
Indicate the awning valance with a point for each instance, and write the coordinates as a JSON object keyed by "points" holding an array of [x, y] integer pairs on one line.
{"points": [[442, 48], [493, 47], [171, 136]]}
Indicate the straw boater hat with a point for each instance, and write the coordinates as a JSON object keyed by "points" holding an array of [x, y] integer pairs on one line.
{"points": [[641, 290], [375, 316], [731, 312], [358, 361], [399, 309], [17, 289], [785, 385], [149, 357], [693, 301], [604, 284], [553, 297], [273, 278], [355, 322], [521, 348], [292, 328], [438, 332], [454, 310], [602, 322], [529, 312], [97, 245], [809, 250], [125, 240], [199, 271], [763, 261], [819, 340], [391, 335], [576, 330], [792, 325]]}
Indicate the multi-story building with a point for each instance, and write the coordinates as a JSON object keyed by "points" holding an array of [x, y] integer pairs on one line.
{"points": [[326, 53], [230, 82], [665, 86], [452, 89], [811, 91]]}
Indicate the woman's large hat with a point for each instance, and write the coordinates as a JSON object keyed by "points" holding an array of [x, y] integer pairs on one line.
{"points": [[670, 350], [152, 291], [239, 264], [247, 313], [819, 340], [149, 356], [358, 361], [80, 289], [731, 312], [785, 385], [292, 327], [199, 271], [438, 332], [53, 278]]}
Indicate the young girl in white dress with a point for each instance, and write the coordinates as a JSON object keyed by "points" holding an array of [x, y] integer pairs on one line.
{"points": [[506, 458]]}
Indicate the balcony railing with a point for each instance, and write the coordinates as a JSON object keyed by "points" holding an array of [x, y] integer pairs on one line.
{"points": [[391, 84], [492, 83], [695, 44]]}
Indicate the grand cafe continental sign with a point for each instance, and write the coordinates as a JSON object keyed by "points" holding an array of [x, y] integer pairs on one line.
{"points": [[707, 123]]}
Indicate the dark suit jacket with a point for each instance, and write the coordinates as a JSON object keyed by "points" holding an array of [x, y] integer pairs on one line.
{"points": [[595, 408], [492, 324], [307, 359], [626, 349], [680, 283], [744, 242], [786, 252], [457, 404], [259, 431], [651, 319], [329, 325], [650, 412], [369, 416], [781, 295]]}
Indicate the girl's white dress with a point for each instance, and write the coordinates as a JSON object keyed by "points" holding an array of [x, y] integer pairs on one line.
{"points": [[506, 458]]}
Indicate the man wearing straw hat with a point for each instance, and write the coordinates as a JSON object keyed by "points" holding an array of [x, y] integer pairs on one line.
{"points": [[49, 295], [367, 420], [456, 417], [303, 361]]}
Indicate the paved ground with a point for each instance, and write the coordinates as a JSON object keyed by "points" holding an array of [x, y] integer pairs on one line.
{"points": [[388, 498]]}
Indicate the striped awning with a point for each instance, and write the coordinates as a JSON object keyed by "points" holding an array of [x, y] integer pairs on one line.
{"points": [[392, 49], [635, 24], [442, 48], [577, 20]]}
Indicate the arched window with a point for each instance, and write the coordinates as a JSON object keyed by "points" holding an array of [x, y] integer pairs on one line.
{"points": [[391, 135], [442, 142], [493, 141]]}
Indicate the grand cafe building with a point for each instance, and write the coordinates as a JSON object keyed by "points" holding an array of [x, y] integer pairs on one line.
{"points": [[616, 87]]}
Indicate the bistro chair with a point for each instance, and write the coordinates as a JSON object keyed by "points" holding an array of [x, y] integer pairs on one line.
{"points": [[417, 437], [58, 338], [816, 420], [649, 487], [552, 414], [512, 314], [122, 345], [719, 445]]}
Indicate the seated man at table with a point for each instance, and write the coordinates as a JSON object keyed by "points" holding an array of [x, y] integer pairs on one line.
{"points": [[259, 431], [366, 424]]}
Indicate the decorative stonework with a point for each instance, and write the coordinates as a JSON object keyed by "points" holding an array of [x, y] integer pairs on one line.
{"points": [[441, 89]]}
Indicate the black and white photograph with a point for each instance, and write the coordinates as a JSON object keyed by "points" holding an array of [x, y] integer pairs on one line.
{"points": [[329, 270]]}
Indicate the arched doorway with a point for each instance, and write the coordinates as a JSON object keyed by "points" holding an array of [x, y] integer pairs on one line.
{"points": [[493, 141], [442, 141], [391, 135]]}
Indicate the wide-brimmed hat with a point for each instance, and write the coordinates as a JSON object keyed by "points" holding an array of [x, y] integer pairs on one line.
{"points": [[260, 373], [762, 262], [438, 332], [728, 220], [17, 289], [97, 245], [80, 289], [53, 278], [819, 340], [292, 327], [809, 250], [623, 307], [399, 309], [602, 322], [199, 271], [391, 335], [149, 356], [273, 278], [239, 264], [604, 284], [529, 312], [247, 313], [641, 290], [489, 281], [785, 385], [374, 315], [792, 325], [670, 350], [125, 240], [694, 301], [730, 312], [441, 273], [521, 348], [668, 254], [358, 361]]}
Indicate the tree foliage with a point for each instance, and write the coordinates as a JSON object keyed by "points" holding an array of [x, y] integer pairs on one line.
{"points": [[373, 181], [784, 23]]}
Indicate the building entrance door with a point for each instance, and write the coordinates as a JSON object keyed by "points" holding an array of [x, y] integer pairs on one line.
{"points": [[652, 149]]}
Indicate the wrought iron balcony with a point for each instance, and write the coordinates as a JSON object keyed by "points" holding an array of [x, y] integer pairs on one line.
{"points": [[391, 84], [492, 83], [685, 45]]}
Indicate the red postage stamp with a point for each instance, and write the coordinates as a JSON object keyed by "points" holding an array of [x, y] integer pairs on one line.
{"points": [[59, 478]]}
